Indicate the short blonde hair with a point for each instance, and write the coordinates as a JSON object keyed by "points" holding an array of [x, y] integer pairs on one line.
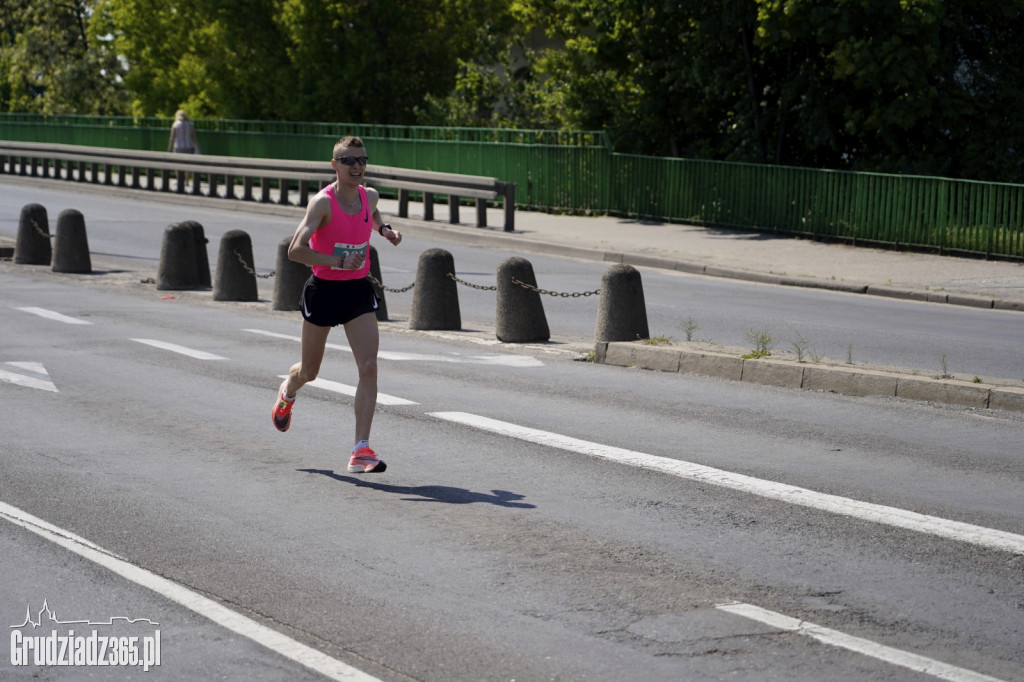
{"points": [[180, 115], [349, 141]]}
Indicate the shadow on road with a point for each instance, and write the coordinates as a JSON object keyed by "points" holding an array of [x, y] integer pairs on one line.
{"points": [[432, 493]]}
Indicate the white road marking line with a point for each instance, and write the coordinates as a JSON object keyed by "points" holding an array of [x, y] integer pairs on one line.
{"points": [[198, 354], [505, 360], [51, 315], [222, 616], [345, 389], [859, 645], [891, 516], [36, 376]]}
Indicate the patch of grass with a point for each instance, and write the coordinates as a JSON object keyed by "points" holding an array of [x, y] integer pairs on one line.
{"points": [[657, 340]]}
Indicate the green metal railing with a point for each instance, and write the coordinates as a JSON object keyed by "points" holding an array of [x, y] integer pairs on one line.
{"points": [[576, 171]]}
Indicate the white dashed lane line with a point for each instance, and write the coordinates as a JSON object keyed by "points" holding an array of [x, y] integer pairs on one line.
{"points": [[345, 389], [192, 353], [866, 647], [55, 316]]}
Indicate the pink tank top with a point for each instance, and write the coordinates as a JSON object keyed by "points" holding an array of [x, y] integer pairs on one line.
{"points": [[343, 232]]}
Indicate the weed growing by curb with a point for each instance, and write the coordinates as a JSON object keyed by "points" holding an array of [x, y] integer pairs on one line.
{"points": [[944, 362], [801, 347], [762, 341], [689, 326]]}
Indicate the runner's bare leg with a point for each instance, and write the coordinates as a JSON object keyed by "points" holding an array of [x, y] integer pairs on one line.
{"points": [[314, 341], [364, 338]]}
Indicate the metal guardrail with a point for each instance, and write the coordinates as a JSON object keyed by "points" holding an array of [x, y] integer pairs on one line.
{"points": [[153, 170]]}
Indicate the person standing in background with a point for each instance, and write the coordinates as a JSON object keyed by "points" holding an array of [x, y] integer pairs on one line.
{"points": [[183, 135]]}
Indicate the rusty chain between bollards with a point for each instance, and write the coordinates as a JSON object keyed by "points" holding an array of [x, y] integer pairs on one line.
{"points": [[40, 231], [393, 291], [481, 287], [250, 270], [470, 284], [575, 294]]}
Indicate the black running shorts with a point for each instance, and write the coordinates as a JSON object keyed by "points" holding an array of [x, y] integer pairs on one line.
{"points": [[329, 302]]}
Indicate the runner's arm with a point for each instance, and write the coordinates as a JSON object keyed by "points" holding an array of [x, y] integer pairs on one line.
{"points": [[390, 233]]}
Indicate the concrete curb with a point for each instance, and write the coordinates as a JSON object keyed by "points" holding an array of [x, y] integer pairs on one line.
{"points": [[813, 377]]}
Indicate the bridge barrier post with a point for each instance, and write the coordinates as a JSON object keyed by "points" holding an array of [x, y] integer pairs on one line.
{"points": [[382, 309], [236, 278], [435, 301], [32, 246], [289, 279], [481, 212], [453, 209], [622, 313], [403, 203], [70, 244], [520, 313]]}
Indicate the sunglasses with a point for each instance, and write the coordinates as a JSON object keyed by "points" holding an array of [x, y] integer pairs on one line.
{"points": [[352, 160]]}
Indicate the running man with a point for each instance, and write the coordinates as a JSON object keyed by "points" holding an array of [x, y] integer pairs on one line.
{"points": [[333, 237]]}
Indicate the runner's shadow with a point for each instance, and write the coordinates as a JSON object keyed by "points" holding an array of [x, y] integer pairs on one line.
{"points": [[432, 493]]}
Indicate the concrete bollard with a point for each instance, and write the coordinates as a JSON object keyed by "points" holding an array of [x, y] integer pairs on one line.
{"points": [[178, 262], [32, 246], [382, 309], [202, 257], [435, 301], [70, 244], [520, 313], [289, 279], [236, 278], [622, 313]]}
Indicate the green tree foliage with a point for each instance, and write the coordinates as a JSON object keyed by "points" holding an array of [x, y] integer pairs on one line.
{"points": [[322, 60], [54, 59], [216, 58], [923, 86], [379, 61]]}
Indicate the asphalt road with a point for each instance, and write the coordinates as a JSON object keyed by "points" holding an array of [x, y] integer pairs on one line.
{"points": [[541, 518]]}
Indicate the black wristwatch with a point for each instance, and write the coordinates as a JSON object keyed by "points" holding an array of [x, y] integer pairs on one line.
{"points": [[380, 230]]}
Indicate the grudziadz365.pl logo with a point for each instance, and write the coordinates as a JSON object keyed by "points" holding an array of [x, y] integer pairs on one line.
{"points": [[72, 643]]}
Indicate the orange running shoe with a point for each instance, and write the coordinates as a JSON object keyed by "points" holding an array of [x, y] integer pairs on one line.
{"points": [[282, 413], [364, 461]]}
